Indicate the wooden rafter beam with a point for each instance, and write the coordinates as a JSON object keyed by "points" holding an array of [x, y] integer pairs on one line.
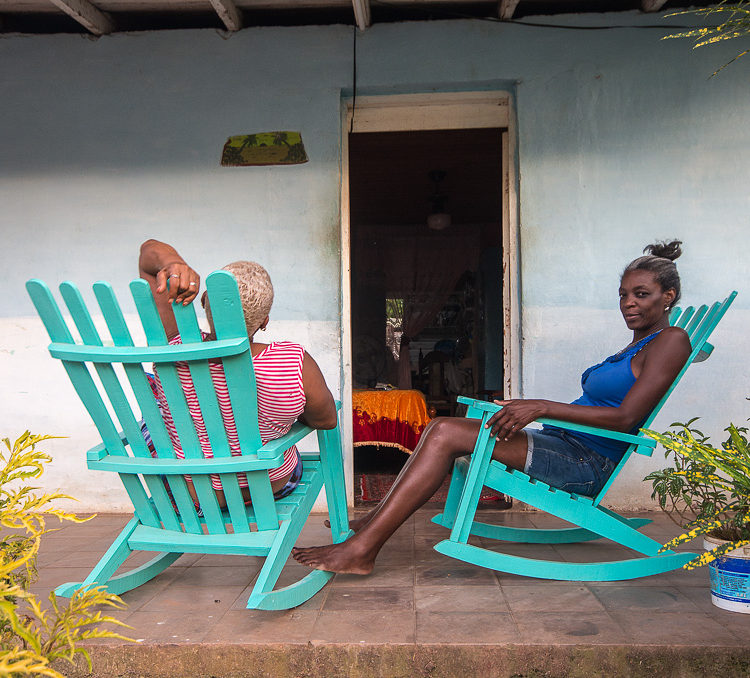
{"points": [[361, 13], [652, 5], [506, 9], [228, 13], [90, 17]]}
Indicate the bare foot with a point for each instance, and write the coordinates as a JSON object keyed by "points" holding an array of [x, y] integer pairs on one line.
{"points": [[342, 558], [355, 525]]}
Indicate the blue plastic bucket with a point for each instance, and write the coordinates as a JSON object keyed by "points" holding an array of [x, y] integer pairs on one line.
{"points": [[730, 578]]}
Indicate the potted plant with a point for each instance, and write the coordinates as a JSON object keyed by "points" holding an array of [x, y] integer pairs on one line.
{"points": [[706, 492]]}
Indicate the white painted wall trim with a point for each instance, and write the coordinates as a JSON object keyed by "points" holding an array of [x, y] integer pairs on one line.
{"points": [[454, 110], [347, 427]]}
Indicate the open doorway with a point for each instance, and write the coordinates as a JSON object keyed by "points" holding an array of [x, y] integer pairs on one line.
{"points": [[426, 279]]}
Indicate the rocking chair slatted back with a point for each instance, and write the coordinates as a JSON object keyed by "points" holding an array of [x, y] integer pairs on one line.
{"points": [[166, 516], [698, 326]]}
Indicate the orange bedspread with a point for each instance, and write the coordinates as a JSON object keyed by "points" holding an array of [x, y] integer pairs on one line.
{"points": [[391, 418]]}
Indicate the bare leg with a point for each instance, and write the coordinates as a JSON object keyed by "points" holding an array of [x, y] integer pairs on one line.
{"points": [[357, 524], [444, 439]]}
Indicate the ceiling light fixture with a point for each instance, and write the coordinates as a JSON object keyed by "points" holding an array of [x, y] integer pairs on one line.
{"points": [[438, 218]]}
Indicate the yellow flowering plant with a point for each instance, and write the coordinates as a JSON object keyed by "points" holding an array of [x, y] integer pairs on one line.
{"points": [[733, 22], [707, 488], [31, 637]]}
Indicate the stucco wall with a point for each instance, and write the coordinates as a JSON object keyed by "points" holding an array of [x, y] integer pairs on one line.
{"points": [[621, 138]]}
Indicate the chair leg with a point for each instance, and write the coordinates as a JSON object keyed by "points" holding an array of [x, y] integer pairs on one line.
{"points": [[263, 597], [102, 574], [458, 479], [329, 442], [289, 596]]}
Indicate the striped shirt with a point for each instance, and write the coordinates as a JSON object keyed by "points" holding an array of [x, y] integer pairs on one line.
{"points": [[281, 400]]}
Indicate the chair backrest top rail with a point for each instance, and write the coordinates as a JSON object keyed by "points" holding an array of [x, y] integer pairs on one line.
{"points": [[220, 348]]}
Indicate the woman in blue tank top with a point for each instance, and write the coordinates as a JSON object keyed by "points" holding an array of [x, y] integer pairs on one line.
{"points": [[618, 394]]}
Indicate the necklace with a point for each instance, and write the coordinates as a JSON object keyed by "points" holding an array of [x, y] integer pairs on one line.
{"points": [[635, 343]]}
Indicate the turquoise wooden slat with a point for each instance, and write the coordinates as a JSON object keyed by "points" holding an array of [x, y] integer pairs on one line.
{"points": [[683, 318], [274, 449], [472, 488], [157, 526], [111, 383], [190, 333], [155, 336], [591, 518], [105, 371], [331, 456], [455, 490], [695, 320], [140, 355], [121, 337], [233, 465], [229, 323], [136, 376], [84, 385]]}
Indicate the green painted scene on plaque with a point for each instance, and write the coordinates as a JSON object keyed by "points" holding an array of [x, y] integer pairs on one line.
{"points": [[264, 148]]}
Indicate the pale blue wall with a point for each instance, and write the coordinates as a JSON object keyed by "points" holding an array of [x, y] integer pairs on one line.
{"points": [[620, 138], [107, 142]]}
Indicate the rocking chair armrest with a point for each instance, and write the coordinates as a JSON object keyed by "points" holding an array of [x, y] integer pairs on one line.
{"points": [[295, 434], [161, 466], [98, 452], [639, 441], [278, 445], [268, 454], [704, 353]]}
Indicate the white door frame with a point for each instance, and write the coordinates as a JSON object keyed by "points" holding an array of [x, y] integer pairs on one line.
{"points": [[418, 112]]}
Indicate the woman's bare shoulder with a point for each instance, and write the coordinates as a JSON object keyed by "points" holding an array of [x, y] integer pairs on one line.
{"points": [[673, 333], [673, 340]]}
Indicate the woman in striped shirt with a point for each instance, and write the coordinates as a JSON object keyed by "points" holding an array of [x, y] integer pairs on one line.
{"points": [[290, 384]]}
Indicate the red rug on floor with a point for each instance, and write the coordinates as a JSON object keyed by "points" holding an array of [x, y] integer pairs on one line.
{"points": [[374, 486]]}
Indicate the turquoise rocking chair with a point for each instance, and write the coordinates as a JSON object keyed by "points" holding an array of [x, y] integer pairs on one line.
{"points": [[165, 518], [591, 519]]}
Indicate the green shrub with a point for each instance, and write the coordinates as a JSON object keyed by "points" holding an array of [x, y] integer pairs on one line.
{"points": [[31, 638], [707, 488]]}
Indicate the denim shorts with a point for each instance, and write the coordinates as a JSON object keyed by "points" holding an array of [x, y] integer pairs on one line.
{"points": [[559, 459], [292, 483]]}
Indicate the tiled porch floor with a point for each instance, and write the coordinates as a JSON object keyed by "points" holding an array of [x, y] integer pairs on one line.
{"points": [[415, 595]]}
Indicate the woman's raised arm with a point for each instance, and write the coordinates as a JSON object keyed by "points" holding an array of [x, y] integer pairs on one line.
{"points": [[171, 279]]}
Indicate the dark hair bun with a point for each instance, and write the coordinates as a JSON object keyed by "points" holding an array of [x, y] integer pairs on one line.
{"points": [[667, 250]]}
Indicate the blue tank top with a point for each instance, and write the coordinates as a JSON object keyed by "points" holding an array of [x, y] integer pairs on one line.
{"points": [[606, 385]]}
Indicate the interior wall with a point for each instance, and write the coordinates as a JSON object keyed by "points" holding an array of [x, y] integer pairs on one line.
{"points": [[392, 194], [621, 138]]}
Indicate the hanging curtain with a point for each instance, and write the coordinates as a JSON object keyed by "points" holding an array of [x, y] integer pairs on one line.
{"points": [[424, 270]]}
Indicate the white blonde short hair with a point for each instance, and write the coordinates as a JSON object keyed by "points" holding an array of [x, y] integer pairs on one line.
{"points": [[256, 292]]}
